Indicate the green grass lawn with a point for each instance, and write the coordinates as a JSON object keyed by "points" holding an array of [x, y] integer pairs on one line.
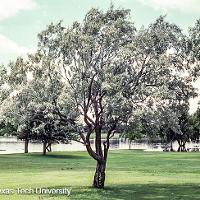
{"points": [[131, 175]]}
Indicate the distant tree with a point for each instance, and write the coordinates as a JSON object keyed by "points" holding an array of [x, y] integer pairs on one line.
{"points": [[166, 52], [29, 108], [185, 127], [133, 136], [133, 130], [15, 78], [7, 129], [43, 127], [195, 125], [172, 124]]}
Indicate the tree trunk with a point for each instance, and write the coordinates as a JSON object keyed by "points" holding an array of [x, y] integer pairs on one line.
{"points": [[100, 155], [171, 146], [26, 145], [129, 146], [44, 148], [99, 176], [181, 147], [48, 147]]}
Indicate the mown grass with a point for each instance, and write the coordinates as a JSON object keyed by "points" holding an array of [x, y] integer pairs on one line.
{"points": [[131, 175]]}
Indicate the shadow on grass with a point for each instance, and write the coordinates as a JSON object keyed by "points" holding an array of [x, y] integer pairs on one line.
{"points": [[136, 192], [58, 156], [65, 156]]}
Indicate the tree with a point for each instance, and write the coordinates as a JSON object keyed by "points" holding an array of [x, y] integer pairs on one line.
{"points": [[12, 78], [29, 108], [174, 124], [195, 124], [15, 78], [185, 127], [161, 51], [5, 127], [132, 136], [49, 129], [107, 71], [133, 130]]}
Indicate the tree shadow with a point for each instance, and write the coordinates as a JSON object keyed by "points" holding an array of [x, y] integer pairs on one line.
{"points": [[65, 156], [137, 192], [57, 156]]}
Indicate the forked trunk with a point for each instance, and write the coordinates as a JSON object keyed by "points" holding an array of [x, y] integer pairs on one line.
{"points": [[181, 147], [99, 176], [100, 154], [48, 147], [26, 145]]}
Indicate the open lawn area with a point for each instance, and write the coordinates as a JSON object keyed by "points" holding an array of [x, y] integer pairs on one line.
{"points": [[131, 175]]}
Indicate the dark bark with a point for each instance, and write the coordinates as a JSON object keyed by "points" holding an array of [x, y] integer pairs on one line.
{"points": [[48, 147], [171, 146], [44, 148], [129, 144], [181, 147], [26, 142], [95, 125], [99, 176], [98, 141]]}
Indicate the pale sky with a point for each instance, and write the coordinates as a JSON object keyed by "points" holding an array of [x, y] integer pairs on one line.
{"points": [[22, 20]]}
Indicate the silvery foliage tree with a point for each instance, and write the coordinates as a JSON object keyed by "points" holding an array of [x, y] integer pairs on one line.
{"points": [[195, 122], [163, 52], [88, 57], [171, 120], [134, 129], [15, 78], [29, 108], [3, 95], [9, 85], [186, 128], [5, 128], [169, 124], [108, 71], [12, 111], [194, 58], [194, 48], [174, 119]]}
